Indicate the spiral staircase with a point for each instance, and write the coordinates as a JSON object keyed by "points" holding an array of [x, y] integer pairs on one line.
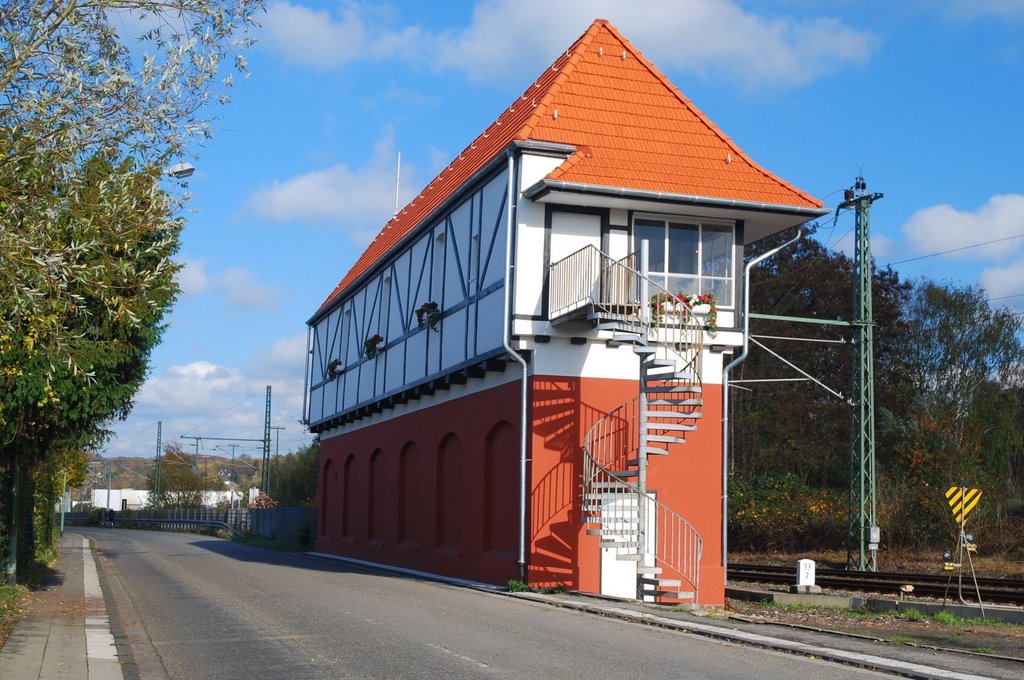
{"points": [[618, 506]]}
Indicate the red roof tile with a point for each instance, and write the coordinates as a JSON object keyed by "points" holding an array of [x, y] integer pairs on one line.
{"points": [[631, 127]]}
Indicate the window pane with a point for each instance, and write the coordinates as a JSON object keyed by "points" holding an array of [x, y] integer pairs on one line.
{"points": [[682, 248], [654, 232], [716, 256], [721, 289], [683, 284]]}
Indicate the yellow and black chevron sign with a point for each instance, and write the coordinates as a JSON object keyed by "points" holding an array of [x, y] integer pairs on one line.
{"points": [[961, 501]]}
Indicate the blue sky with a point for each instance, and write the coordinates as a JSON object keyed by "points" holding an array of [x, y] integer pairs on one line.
{"points": [[924, 97]]}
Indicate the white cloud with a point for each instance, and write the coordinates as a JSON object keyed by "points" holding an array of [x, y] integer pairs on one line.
{"points": [[203, 398], [324, 39], [240, 287], [943, 227], [707, 37], [712, 38], [359, 201], [1004, 282], [237, 285], [286, 357], [192, 277]]}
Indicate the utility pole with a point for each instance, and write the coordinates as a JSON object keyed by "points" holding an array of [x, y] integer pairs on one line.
{"points": [[156, 475], [277, 452], [863, 531], [265, 476], [265, 482]]}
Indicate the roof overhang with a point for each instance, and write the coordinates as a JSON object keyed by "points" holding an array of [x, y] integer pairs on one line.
{"points": [[760, 219]]}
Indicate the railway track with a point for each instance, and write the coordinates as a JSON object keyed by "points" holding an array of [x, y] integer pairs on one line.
{"points": [[993, 590]]}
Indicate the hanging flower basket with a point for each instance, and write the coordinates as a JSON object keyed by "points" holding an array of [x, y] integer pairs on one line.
{"points": [[702, 305], [371, 345], [428, 314], [332, 369]]}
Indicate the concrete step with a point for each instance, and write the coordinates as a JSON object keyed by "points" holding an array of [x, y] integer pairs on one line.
{"points": [[628, 557], [642, 569], [654, 451]]}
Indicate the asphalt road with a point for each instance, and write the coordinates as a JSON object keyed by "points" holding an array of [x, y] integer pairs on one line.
{"points": [[200, 607]]}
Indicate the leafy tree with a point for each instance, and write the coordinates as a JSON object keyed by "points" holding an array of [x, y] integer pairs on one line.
{"points": [[181, 485], [962, 423], [88, 120], [294, 477], [799, 427]]}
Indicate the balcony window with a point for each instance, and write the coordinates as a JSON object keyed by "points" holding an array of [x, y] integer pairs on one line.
{"points": [[689, 256]]}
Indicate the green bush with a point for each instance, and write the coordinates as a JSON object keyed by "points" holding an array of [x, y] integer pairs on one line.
{"points": [[780, 512]]}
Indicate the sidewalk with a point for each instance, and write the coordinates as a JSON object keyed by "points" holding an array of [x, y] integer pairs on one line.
{"points": [[66, 633]]}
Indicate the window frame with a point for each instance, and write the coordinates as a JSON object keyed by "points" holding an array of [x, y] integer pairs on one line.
{"points": [[700, 223]]}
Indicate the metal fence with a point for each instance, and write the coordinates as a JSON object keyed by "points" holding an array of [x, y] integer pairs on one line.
{"points": [[291, 525]]}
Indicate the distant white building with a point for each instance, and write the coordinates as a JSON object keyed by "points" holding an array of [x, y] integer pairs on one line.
{"points": [[136, 499], [120, 499]]}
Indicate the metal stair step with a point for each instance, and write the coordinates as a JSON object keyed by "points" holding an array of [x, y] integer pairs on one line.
{"points": [[602, 512], [675, 389], [623, 533], [643, 569], [609, 485], [629, 557], [654, 451], [674, 402], [645, 349], [609, 511], [626, 337], [663, 362], [675, 427], [664, 438], [624, 474], [674, 375], [619, 544], [616, 326], [610, 495]]}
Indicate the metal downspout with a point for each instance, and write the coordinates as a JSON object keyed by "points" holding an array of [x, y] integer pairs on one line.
{"points": [[505, 339], [725, 393]]}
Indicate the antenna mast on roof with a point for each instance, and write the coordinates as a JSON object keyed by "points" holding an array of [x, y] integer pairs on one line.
{"points": [[398, 178]]}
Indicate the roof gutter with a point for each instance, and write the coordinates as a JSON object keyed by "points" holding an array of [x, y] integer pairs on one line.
{"points": [[546, 186], [725, 391]]}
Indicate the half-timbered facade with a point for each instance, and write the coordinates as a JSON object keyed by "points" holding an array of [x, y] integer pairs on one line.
{"points": [[516, 380]]}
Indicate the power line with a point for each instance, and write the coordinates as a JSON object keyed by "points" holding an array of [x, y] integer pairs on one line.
{"points": [[229, 408], [956, 250]]}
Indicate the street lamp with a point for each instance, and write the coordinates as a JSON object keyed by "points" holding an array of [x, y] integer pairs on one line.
{"points": [[181, 170]]}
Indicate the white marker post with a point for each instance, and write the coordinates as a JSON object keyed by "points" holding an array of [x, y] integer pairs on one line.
{"points": [[805, 578]]}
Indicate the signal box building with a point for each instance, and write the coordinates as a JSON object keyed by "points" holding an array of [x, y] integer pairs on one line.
{"points": [[518, 378]]}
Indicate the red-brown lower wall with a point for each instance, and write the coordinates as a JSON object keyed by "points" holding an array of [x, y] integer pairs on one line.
{"points": [[434, 490], [437, 489]]}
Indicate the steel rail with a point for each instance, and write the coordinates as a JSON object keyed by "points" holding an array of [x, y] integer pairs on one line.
{"points": [[1003, 590]]}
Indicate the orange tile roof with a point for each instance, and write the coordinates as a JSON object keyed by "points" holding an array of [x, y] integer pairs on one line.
{"points": [[631, 127]]}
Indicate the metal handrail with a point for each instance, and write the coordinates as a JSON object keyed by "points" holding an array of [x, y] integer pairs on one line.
{"points": [[591, 278], [616, 291], [609, 444]]}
